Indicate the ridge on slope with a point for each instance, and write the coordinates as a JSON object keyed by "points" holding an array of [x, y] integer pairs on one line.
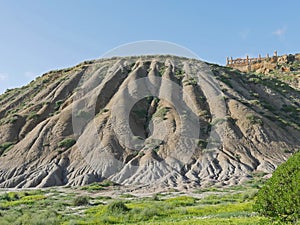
{"points": [[194, 124]]}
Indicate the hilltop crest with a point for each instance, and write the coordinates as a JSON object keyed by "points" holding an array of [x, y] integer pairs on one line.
{"points": [[285, 67]]}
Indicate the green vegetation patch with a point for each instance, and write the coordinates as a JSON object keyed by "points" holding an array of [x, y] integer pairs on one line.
{"points": [[179, 74], [58, 104], [32, 116], [117, 207], [161, 71], [161, 112], [67, 143], [254, 119], [13, 199], [81, 200], [182, 201], [279, 197], [96, 186], [191, 81], [72, 206], [6, 146]]}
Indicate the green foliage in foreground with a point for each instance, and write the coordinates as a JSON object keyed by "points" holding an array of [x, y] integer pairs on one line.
{"points": [[176, 210], [70, 206], [280, 197]]}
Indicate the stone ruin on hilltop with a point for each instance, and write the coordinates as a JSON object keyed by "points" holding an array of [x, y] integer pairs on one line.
{"points": [[263, 64]]}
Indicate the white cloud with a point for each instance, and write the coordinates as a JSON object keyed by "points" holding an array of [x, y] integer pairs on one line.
{"points": [[280, 32]]}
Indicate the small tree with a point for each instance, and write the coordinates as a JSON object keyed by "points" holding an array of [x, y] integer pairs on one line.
{"points": [[280, 196]]}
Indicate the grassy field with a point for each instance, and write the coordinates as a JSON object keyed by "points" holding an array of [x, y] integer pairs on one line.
{"points": [[88, 205]]}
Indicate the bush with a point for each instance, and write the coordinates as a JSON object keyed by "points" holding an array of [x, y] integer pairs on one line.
{"points": [[98, 186], [162, 112], [254, 119], [182, 201], [11, 196], [5, 146], [81, 200], [107, 183], [5, 197], [279, 197], [32, 116], [93, 187], [58, 104], [117, 207], [66, 143]]}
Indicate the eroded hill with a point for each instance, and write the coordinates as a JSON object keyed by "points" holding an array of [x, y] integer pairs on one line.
{"points": [[156, 121]]}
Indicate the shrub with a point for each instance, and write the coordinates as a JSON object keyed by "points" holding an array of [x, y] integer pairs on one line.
{"points": [[32, 116], [5, 197], [104, 111], [81, 200], [254, 80], [107, 183], [192, 81], [66, 143], [161, 71], [254, 102], [11, 196], [279, 197], [201, 143], [93, 187], [162, 112], [98, 186], [217, 121], [182, 201], [117, 207], [58, 104], [127, 196], [254, 119], [5, 146], [179, 74], [149, 213]]}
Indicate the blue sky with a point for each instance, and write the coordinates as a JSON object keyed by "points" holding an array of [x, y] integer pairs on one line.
{"points": [[38, 36]]}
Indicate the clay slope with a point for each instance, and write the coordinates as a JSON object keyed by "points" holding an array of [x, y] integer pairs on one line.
{"points": [[160, 121]]}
